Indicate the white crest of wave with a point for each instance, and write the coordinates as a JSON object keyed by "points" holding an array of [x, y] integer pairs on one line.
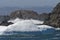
{"points": [[2, 29], [31, 20], [57, 28], [25, 25], [15, 20]]}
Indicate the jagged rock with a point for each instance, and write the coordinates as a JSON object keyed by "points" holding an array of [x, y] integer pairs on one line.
{"points": [[4, 20], [54, 17], [5, 23], [24, 14]]}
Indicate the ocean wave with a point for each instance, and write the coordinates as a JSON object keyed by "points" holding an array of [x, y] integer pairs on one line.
{"points": [[26, 26]]}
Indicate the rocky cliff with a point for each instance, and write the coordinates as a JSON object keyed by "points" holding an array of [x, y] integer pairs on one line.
{"points": [[54, 17]]}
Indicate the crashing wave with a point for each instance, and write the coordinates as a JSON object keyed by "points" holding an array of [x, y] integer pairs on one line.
{"points": [[57, 28], [25, 26]]}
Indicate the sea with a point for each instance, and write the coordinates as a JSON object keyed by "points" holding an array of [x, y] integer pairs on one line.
{"points": [[54, 35]]}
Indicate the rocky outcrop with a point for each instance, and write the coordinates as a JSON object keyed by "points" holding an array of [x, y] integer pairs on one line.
{"points": [[29, 14], [4, 20], [24, 14], [43, 16], [5, 23], [54, 17]]}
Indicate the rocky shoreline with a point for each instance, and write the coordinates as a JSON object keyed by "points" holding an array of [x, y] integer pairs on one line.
{"points": [[52, 19]]}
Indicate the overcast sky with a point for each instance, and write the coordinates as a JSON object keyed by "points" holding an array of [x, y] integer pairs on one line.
{"points": [[29, 3]]}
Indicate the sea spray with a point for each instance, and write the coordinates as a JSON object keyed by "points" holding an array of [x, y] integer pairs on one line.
{"points": [[26, 26]]}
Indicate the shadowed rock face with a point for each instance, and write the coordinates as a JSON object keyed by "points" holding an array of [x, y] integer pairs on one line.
{"points": [[54, 17], [24, 14], [5, 23], [4, 20], [43, 16]]}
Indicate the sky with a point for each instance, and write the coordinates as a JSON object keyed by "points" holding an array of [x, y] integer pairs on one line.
{"points": [[28, 3]]}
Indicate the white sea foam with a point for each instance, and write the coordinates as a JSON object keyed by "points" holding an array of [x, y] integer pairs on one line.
{"points": [[31, 20], [57, 28], [45, 27], [37, 21], [24, 25], [27, 25], [15, 20], [2, 29]]}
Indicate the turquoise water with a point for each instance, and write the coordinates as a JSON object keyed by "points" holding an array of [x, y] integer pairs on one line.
{"points": [[53, 35]]}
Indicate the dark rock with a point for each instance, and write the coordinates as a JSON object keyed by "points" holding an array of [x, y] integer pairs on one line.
{"points": [[54, 17], [5, 23], [24, 14], [43, 16], [4, 20]]}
